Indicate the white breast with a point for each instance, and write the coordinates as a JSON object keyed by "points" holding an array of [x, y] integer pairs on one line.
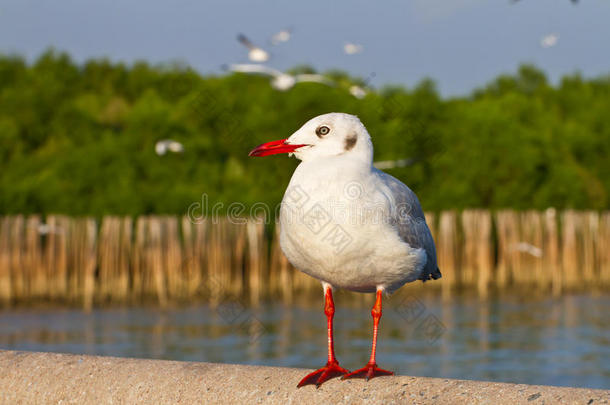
{"points": [[334, 228]]}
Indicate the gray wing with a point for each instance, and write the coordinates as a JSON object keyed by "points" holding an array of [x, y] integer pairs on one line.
{"points": [[409, 221]]}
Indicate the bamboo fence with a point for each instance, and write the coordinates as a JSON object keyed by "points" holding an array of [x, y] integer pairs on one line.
{"points": [[167, 259]]}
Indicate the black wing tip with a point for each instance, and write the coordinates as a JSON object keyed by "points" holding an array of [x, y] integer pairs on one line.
{"points": [[432, 276]]}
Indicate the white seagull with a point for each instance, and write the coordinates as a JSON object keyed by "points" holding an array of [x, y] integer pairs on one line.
{"points": [[168, 145], [279, 80], [357, 91], [46, 229], [352, 49], [281, 36], [549, 40], [528, 248], [349, 224], [255, 53]]}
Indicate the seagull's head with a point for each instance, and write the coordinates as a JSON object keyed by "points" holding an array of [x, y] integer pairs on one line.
{"points": [[328, 135]]}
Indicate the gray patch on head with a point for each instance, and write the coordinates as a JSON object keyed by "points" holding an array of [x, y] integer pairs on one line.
{"points": [[350, 142]]}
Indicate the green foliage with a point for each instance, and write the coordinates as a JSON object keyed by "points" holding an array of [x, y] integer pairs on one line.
{"points": [[80, 139]]}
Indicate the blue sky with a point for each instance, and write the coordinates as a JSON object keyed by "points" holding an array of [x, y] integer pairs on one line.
{"points": [[461, 44]]}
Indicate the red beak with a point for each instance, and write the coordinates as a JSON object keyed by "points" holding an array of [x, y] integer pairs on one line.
{"points": [[273, 148]]}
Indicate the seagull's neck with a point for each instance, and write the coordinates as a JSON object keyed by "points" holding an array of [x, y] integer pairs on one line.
{"points": [[335, 168]]}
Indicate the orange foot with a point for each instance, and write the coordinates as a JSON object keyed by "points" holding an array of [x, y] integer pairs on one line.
{"points": [[369, 371], [330, 370]]}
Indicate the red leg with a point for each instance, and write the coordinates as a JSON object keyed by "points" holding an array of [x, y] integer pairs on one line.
{"points": [[371, 370], [332, 368]]}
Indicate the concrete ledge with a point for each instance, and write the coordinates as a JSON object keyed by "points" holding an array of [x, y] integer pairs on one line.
{"points": [[29, 377]]}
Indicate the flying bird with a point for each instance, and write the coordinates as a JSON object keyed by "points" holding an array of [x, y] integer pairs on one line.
{"points": [[279, 80], [376, 242], [352, 49], [255, 53], [46, 229], [167, 145], [549, 40], [281, 36], [357, 91], [528, 248]]}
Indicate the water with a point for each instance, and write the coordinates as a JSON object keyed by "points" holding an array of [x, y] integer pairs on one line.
{"points": [[556, 341]]}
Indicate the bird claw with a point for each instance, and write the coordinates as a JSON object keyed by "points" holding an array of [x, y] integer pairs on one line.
{"points": [[369, 371], [318, 377]]}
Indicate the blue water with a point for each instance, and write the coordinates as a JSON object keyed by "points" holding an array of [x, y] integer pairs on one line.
{"points": [[556, 341]]}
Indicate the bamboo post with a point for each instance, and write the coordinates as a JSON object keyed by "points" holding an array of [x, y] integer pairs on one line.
{"points": [[478, 258], [74, 260], [155, 260], [285, 270], [447, 251], [603, 252], [237, 267], [6, 291], [215, 263], [530, 249], [191, 264], [552, 264], [469, 253], [507, 228], [89, 261], [590, 230], [569, 249], [125, 249], [139, 257], [55, 256], [108, 247], [255, 260], [20, 282], [32, 261], [172, 252]]}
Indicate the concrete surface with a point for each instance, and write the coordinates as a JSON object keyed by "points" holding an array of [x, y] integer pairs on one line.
{"points": [[44, 378]]}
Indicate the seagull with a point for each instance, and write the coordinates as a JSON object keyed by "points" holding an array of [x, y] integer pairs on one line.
{"points": [[165, 145], [280, 80], [281, 36], [348, 224], [528, 248], [549, 40], [46, 229], [357, 91], [352, 49], [255, 53]]}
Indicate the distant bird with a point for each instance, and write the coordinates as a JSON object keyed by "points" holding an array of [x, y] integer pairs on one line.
{"points": [[549, 40], [391, 164], [45, 229], [352, 49], [528, 248], [357, 91], [255, 53], [376, 243], [167, 145], [281, 36], [279, 80]]}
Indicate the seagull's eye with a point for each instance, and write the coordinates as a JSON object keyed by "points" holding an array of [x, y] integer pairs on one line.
{"points": [[322, 130]]}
